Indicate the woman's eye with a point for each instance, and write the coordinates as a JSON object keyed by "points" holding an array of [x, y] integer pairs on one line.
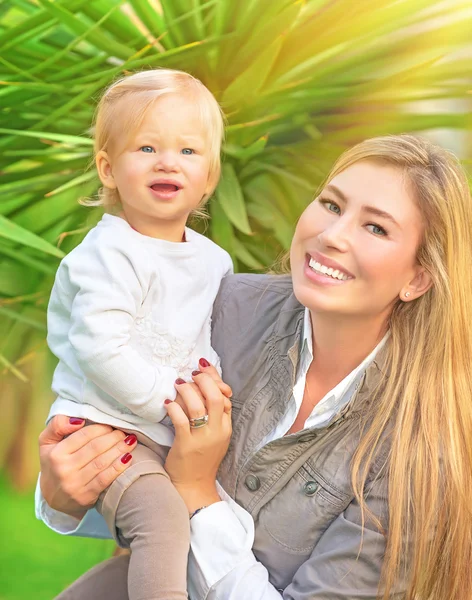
{"points": [[376, 229], [147, 149], [188, 151], [331, 206]]}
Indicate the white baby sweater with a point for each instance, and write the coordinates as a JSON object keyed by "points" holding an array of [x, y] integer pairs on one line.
{"points": [[129, 314]]}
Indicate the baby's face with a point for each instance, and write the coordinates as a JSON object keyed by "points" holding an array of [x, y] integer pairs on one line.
{"points": [[162, 171]]}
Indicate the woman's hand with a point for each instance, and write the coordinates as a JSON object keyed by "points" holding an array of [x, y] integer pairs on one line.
{"points": [[196, 454], [224, 388], [77, 468]]}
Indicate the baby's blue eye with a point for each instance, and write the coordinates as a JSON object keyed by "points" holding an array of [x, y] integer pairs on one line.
{"points": [[187, 151], [147, 148]]}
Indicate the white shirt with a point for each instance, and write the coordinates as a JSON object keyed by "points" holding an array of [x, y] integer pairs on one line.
{"points": [[221, 563], [128, 315]]}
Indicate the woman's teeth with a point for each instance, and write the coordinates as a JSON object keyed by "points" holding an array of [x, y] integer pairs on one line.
{"points": [[328, 271]]}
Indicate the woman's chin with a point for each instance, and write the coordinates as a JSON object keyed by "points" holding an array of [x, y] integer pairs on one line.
{"points": [[322, 300]]}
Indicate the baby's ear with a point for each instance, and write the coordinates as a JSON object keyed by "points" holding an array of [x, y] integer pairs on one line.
{"points": [[211, 185], [104, 170]]}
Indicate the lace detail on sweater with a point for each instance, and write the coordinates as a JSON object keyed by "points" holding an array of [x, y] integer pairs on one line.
{"points": [[162, 347]]}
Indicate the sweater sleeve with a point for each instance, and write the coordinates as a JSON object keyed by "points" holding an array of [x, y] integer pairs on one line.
{"points": [[105, 285]]}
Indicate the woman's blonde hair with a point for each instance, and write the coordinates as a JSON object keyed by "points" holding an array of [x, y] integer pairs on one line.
{"points": [[123, 107], [427, 396]]}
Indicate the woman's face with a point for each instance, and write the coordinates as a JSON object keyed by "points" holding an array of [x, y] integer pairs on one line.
{"points": [[354, 248]]}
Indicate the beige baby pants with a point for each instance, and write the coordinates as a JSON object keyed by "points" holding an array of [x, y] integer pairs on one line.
{"points": [[145, 513]]}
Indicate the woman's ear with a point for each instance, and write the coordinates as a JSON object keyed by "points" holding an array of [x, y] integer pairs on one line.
{"points": [[418, 286], [104, 170]]}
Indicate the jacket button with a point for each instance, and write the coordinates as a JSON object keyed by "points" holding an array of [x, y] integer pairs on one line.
{"points": [[252, 482], [310, 488]]}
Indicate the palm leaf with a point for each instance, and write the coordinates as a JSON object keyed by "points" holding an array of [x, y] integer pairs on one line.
{"points": [[299, 82]]}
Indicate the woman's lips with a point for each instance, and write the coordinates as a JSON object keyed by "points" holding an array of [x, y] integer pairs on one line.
{"points": [[321, 278], [329, 263]]}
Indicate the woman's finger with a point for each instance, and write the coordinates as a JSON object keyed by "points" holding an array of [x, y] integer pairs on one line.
{"points": [[180, 400], [58, 428], [192, 398], [227, 405], [115, 460], [106, 477], [179, 419], [84, 436], [214, 399], [105, 451], [206, 367], [224, 389]]}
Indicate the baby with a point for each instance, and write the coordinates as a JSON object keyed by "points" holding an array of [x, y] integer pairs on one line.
{"points": [[129, 314]]}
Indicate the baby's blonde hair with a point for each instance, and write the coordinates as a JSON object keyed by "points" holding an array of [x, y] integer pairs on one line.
{"points": [[123, 107]]}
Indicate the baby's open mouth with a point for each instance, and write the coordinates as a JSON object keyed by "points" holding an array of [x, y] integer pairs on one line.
{"points": [[165, 187]]}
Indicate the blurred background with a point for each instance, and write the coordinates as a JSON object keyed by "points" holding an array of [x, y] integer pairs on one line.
{"points": [[299, 82]]}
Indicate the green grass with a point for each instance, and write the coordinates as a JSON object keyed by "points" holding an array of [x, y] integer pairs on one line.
{"points": [[34, 561]]}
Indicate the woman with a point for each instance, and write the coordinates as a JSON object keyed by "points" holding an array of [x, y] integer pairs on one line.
{"points": [[352, 420]]}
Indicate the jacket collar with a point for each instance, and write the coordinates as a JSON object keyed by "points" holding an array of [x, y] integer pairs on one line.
{"points": [[287, 336]]}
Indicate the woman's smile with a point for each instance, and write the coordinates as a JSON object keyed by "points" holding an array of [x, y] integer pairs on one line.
{"points": [[320, 271]]}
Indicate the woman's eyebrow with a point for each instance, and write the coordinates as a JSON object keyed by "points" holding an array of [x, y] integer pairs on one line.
{"points": [[332, 188], [366, 208], [380, 213]]}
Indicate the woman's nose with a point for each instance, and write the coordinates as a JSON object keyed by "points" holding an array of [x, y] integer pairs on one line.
{"points": [[336, 235]]}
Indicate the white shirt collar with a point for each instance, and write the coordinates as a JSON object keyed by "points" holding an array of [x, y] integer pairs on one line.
{"points": [[336, 398]]}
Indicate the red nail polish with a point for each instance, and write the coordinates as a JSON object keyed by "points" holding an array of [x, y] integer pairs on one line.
{"points": [[130, 439], [167, 401], [76, 421], [180, 381], [195, 373], [126, 458], [203, 362]]}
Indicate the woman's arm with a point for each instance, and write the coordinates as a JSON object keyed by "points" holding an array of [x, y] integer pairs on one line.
{"points": [[76, 469], [345, 564], [196, 454], [77, 464], [92, 525], [223, 566], [222, 533]]}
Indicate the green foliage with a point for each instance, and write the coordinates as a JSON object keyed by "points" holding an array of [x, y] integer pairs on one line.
{"points": [[298, 80], [36, 562]]}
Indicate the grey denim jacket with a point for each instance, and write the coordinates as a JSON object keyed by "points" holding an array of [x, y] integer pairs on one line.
{"points": [[308, 526]]}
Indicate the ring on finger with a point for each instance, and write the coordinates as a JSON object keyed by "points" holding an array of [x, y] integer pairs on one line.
{"points": [[198, 422]]}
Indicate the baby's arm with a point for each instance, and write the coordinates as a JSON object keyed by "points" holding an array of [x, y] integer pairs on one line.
{"points": [[105, 287]]}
